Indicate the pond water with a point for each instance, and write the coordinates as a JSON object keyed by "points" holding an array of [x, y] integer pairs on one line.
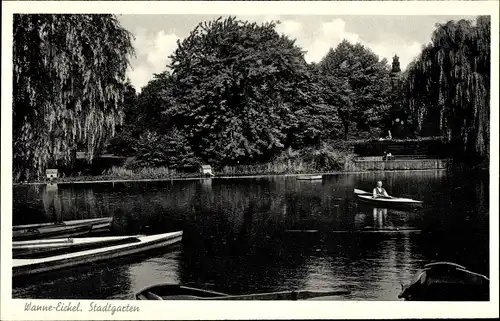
{"points": [[247, 235]]}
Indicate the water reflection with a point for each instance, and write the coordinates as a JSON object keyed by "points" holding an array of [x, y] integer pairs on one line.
{"points": [[270, 234], [379, 217]]}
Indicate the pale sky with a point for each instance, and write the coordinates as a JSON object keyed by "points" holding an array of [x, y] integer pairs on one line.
{"points": [[156, 36]]}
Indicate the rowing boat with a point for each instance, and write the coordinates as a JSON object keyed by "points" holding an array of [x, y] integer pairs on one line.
{"points": [[59, 229], [134, 245], [50, 247], [445, 281], [178, 292], [310, 177], [368, 197]]}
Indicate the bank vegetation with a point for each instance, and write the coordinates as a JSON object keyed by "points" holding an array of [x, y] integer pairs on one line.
{"points": [[236, 95]]}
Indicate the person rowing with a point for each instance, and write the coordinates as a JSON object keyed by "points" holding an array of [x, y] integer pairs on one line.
{"points": [[379, 191]]}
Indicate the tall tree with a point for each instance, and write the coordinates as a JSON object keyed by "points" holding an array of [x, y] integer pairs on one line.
{"points": [[318, 120], [124, 140], [358, 83], [236, 86], [449, 86], [153, 100], [69, 79]]}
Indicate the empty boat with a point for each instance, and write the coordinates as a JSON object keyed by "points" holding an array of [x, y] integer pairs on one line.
{"points": [[309, 177], [51, 247], [445, 281], [133, 245], [59, 229], [178, 292]]}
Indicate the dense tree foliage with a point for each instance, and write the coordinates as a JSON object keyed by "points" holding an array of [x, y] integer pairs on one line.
{"points": [[170, 149], [154, 98], [123, 143], [237, 87], [318, 120], [236, 92], [358, 84], [448, 86], [69, 77]]}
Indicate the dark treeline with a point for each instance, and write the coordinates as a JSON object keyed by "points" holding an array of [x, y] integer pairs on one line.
{"points": [[237, 93], [68, 84], [448, 87]]}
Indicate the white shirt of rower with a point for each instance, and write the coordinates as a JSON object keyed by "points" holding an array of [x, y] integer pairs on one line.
{"points": [[378, 191]]}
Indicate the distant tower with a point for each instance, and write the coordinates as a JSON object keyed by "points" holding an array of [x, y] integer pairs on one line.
{"points": [[395, 65], [396, 76], [397, 117]]}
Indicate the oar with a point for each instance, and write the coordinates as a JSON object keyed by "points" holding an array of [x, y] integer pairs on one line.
{"points": [[287, 295]]}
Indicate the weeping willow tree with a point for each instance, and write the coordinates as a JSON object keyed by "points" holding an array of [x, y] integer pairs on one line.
{"points": [[69, 79], [448, 87]]}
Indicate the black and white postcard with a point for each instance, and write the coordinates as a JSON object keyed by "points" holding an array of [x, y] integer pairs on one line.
{"points": [[219, 160]]}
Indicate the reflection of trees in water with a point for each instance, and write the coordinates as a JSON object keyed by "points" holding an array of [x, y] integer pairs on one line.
{"points": [[38, 203], [234, 229], [82, 203], [236, 233], [315, 205], [52, 203], [27, 205], [459, 221]]}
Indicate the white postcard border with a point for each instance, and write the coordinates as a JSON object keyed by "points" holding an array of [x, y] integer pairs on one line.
{"points": [[13, 309]]}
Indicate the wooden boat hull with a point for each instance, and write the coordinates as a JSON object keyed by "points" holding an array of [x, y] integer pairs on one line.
{"points": [[310, 177], [389, 202], [62, 229], [175, 292], [51, 247], [444, 281], [178, 292], [22, 267]]}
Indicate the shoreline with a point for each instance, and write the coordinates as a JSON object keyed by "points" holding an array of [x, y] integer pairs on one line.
{"points": [[180, 178]]}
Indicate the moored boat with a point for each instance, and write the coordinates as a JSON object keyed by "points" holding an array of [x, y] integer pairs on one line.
{"points": [[178, 292], [309, 177], [384, 200], [445, 281], [133, 245], [51, 247], [59, 229]]}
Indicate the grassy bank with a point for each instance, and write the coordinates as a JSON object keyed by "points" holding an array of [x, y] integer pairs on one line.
{"points": [[328, 158], [118, 173], [307, 161], [163, 173]]}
